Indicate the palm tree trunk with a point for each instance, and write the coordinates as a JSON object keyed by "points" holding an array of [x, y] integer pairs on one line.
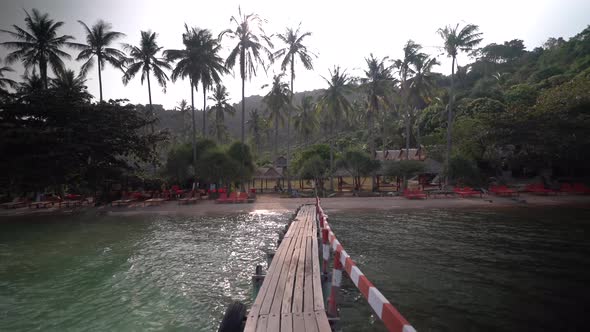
{"points": [[243, 75], [450, 123], [43, 72], [289, 122], [276, 138], [371, 147], [194, 131], [331, 157], [204, 111], [153, 115], [99, 79]]}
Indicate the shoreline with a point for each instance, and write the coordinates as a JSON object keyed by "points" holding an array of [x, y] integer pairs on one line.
{"points": [[274, 203]]}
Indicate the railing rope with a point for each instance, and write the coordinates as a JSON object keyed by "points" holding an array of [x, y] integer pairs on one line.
{"points": [[392, 319]]}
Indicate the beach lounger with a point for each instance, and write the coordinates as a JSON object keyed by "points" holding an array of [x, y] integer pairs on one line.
{"points": [[539, 189], [16, 203], [42, 204], [414, 194], [580, 188], [121, 202], [503, 191], [467, 192], [153, 201]]}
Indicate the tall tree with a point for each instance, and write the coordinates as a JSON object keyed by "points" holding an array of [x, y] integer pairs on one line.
{"points": [[377, 83], [294, 48], [220, 106], [423, 85], [248, 51], [335, 107], [188, 59], [277, 100], [40, 45], [71, 86], [145, 58], [257, 125], [455, 41], [98, 40], [306, 120], [31, 83], [405, 67], [210, 67], [6, 82]]}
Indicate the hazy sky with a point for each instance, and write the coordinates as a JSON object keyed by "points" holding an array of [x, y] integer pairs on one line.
{"points": [[344, 33]]}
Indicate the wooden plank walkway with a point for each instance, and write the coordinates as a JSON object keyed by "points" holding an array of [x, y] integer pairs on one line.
{"points": [[291, 299]]}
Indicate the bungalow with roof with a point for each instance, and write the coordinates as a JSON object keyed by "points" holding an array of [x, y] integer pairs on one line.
{"points": [[430, 176]]}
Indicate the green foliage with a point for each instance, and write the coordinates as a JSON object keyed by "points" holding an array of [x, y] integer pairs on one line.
{"points": [[321, 150], [404, 168], [521, 96], [241, 154], [218, 167], [358, 163], [314, 168], [483, 106], [464, 170], [178, 164], [52, 139]]}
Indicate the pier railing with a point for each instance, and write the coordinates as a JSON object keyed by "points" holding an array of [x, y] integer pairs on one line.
{"points": [[392, 319]]}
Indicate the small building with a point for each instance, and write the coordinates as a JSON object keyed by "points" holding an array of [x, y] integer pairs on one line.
{"points": [[281, 162], [432, 168], [262, 175]]}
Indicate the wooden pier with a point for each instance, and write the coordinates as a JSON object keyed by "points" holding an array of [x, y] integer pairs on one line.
{"points": [[291, 298]]}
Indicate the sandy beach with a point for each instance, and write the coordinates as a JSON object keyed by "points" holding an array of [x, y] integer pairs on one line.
{"points": [[335, 204]]}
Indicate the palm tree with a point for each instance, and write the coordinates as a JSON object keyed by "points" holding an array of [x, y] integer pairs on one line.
{"points": [[6, 82], [144, 58], [210, 67], [97, 44], [71, 85], [257, 125], [335, 106], [456, 40], [306, 120], [220, 107], [376, 83], [248, 51], [182, 107], [40, 45], [276, 100], [293, 48], [405, 68], [31, 83], [423, 85], [187, 62]]}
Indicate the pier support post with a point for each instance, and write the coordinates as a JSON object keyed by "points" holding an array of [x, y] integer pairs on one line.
{"points": [[257, 280], [336, 281]]}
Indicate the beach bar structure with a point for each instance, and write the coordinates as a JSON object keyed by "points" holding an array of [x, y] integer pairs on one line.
{"points": [[263, 175], [431, 166]]}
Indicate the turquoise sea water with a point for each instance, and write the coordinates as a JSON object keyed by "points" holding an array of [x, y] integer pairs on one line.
{"points": [[467, 270]]}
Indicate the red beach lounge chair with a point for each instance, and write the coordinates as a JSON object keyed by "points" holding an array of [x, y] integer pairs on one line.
{"points": [[580, 188], [414, 194], [467, 192], [539, 189], [503, 191]]}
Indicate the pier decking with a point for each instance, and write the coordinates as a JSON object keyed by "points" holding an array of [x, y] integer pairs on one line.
{"points": [[291, 299]]}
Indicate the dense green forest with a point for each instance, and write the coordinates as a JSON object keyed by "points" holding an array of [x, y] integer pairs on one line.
{"points": [[510, 109]]}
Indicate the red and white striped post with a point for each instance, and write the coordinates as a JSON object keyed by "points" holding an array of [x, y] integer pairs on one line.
{"points": [[336, 281], [325, 249]]}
